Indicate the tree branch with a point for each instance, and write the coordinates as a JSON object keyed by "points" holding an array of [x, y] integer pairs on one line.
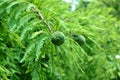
{"points": [[42, 18]]}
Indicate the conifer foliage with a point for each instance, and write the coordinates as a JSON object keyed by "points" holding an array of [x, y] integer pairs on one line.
{"points": [[26, 50], [44, 40]]}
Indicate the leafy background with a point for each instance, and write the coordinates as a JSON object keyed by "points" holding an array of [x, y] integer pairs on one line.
{"points": [[26, 51]]}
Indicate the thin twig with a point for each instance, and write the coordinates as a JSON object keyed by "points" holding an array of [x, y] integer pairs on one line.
{"points": [[42, 18]]}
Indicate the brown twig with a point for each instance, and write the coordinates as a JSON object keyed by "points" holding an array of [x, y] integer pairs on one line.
{"points": [[42, 18]]}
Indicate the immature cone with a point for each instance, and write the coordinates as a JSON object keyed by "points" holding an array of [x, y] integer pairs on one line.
{"points": [[58, 38], [80, 39]]}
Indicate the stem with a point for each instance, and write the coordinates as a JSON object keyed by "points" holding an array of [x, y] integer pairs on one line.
{"points": [[43, 19]]}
